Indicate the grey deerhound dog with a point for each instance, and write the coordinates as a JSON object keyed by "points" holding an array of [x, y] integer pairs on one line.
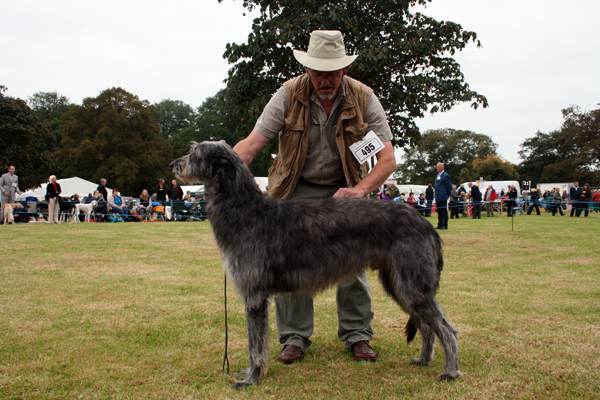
{"points": [[271, 246]]}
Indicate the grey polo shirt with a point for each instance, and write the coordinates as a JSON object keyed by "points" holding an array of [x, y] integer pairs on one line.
{"points": [[323, 164]]}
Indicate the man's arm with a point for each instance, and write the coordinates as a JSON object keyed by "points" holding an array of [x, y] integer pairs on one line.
{"points": [[386, 165], [249, 147]]}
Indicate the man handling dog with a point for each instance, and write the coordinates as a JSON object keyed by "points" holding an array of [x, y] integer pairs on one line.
{"points": [[9, 185], [317, 117]]}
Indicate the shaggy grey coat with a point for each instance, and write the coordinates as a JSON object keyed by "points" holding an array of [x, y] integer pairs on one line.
{"points": [[271, 246]]}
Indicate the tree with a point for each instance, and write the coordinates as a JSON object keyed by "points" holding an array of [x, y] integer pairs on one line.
{"points": [[568, 154], [173, 116], [404, 57], [492, 168], [457, 149], [540, 151], [49, 107], [215, 120], [114, 136], [21, 135]]}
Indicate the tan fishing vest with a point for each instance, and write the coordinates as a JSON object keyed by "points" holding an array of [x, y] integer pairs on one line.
{"points": [[293, 140]]}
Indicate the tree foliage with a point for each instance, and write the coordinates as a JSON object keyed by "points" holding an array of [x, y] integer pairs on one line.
{"points": [[457, 149], [565, 155], [404, 57], [491, 168], [114, 136], [173, 116], [49, 107], [215, 120], [21, 135]]}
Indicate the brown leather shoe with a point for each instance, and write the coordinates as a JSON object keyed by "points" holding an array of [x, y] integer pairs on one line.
{"points": [[290, 353], [363, 351]]}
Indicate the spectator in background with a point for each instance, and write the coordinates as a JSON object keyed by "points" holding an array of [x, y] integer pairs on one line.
{"points": [[117, 205], [101, 208], [556, 200], [9, 185], [144, 205], [102, 190], [586, 199], [575, 195], [475, 200], [393, 191], [443, 187], [411, 200], [535, 202], [175, 193], [161, 192], [422, 204], [511, 201], [596, 200], [429, 198], [52, 194], [489, 197], [385, 194], [454, 203]]}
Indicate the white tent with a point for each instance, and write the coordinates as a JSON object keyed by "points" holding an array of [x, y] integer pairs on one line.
{"points": [[261, 182], [497, 185], [417, 189], [68, 186], [192, 188]]}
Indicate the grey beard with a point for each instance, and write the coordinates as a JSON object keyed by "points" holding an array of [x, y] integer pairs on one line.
{"points": [[326, 96]]}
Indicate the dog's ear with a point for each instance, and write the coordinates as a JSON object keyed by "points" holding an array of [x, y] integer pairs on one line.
{"points": [[221, 163]]}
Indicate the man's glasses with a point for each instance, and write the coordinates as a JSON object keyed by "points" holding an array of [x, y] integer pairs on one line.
{"points": [[318, 76]]}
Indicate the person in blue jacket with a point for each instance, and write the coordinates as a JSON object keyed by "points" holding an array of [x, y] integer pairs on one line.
{"points": [[443, 187]]}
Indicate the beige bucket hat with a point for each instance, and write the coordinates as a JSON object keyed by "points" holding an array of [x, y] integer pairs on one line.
{"points": [[326, 52]]}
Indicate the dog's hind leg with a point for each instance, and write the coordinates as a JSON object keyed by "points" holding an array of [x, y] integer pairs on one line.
{"points": [[449, 339], [257, 316], [427, 351], [414, 322], [432, 322], [426, 315]]}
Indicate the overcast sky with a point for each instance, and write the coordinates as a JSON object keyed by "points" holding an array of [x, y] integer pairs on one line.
{"points": [[538, 56]]}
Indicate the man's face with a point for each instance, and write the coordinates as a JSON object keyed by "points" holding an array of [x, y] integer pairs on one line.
{"points": [[174, 183], [439, 167], [11, 169], [326, 84]]}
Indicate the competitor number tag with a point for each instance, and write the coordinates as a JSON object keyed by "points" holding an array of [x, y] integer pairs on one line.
{"points": [[367, 147]]}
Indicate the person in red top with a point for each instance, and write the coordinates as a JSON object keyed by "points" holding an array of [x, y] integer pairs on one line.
{"points": [[411, 200], [596, 200], [488, 198], [52, 192]]}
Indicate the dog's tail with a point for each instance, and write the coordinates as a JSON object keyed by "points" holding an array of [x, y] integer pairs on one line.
{"points": [[410, 330]]}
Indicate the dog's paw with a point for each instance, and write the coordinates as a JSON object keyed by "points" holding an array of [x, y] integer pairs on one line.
{"points": [[241, 385], [449, 376], [420, 361]]}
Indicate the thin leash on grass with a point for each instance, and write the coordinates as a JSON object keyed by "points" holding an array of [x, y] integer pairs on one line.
{"points": [[225, 358]]}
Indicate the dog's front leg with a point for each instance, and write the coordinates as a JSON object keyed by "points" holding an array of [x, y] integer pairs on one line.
{"points": [[257, 316]]}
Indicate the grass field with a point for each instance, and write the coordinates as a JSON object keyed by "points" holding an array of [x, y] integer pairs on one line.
{"points": [[135, 311]]}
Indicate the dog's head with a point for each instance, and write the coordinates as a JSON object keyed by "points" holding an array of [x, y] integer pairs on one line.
{"points": [[94, 203], [207, 162]]}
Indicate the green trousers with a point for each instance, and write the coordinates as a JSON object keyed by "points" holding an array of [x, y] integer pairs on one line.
{"points": [[294, 311]]}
